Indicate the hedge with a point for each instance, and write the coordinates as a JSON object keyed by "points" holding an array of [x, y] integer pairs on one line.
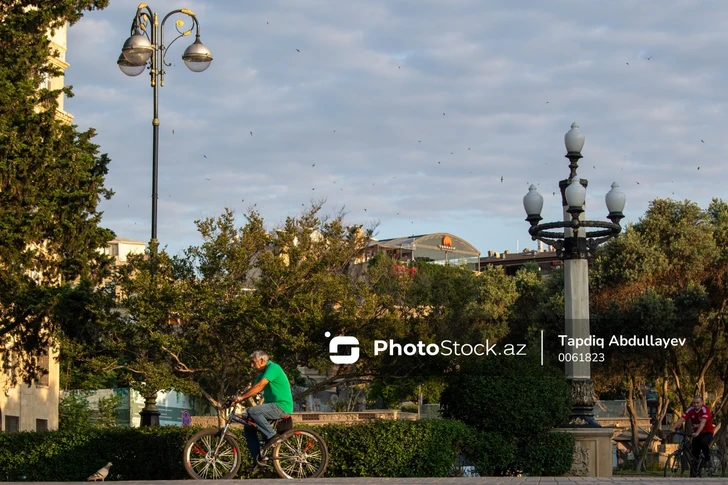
{"points": [[548, 454], [426, 448]]}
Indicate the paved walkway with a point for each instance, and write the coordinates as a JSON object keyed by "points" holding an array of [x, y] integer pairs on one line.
{"points": [[452, 481]]}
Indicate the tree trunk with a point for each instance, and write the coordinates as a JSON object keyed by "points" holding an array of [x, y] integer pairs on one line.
{"points": [[662, 404], [632, 413]]}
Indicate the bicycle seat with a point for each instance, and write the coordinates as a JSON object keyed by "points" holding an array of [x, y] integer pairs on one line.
{"points": [[283, 424]]}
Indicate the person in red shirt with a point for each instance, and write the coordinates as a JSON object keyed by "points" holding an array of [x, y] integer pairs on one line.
{"points": [[702, 428]]}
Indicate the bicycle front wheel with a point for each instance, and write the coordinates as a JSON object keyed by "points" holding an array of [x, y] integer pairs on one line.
{"points": [[302, 453], [203, 463], [676, 465]]}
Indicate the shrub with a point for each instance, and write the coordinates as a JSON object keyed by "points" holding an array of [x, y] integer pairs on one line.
{"points": [[74, 411], [514, 395], [410, 408], [426, 448], [491, 453], [548, 454], [380, 449], [137, 454]]}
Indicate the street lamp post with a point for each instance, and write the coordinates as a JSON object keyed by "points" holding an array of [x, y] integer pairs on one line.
{"points": [[574, 246], [145, 48]]}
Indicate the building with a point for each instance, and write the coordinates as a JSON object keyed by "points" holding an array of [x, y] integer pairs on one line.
{"points": [[545, 258], [120, 247], [439, 248], [34, 407]]}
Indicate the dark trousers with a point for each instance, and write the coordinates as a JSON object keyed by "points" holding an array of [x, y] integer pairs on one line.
{"points": [[261, 414], [701, 444]]}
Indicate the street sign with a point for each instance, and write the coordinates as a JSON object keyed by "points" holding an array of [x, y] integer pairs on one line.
{"points": [[186, 419]]}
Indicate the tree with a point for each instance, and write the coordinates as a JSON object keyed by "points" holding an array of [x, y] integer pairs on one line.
{"points": [[51, 180], [664, 277]]}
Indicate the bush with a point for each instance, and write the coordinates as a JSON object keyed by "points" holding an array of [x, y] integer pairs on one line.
{"points": [[513, 394], [426, 448], [74, 411], [380, 449], [548, 454], [491, 453], [137, 454], [410, 408]]}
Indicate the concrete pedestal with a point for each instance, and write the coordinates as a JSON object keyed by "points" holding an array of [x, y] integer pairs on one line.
{"points": [[592, 452]]}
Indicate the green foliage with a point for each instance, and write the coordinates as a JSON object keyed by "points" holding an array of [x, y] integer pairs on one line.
{"points": [[380, 449], [548, 454], [516, 392], [73, 455], [74, 412], [51, 181], [427, 448], [106, 415], [491, 453], [388, 393], [409, 408]]}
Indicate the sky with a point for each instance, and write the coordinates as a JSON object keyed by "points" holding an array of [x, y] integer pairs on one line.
{"points": [[417, 115]]}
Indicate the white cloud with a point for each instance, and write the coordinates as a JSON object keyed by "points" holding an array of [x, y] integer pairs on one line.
{"points": [[364, 100]]}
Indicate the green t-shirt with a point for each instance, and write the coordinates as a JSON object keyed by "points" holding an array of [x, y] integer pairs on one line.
{"points": [[278, 390]]}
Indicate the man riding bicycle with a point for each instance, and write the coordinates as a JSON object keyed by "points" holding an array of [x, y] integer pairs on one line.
{"points": [[702, 432], [278, 403]]}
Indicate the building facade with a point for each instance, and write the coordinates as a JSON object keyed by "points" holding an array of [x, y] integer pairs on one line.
{"points": [[34, 407], [438, 248]]}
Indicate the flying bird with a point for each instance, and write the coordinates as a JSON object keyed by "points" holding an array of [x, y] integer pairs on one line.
{"points": [[698, 168], [204, 156], [443, 114], [313, 164], [297, 50], [101, 474], [702, 141], [638, 183], [501, 179], [648, 58], [251, 133], [627, 63], [173, 132]]}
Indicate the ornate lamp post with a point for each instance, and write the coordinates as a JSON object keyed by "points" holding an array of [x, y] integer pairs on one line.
{"points": [[574, 246], [145, 48]]}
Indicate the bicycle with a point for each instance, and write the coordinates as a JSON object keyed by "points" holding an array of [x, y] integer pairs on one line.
{"points": [[214, 453], [682, 459]]}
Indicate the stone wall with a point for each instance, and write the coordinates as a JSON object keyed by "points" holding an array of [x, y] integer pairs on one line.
{"points": [[322, 418]]}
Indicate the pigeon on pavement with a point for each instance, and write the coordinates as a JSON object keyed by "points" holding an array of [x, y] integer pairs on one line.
{"points": [[101, 474]]}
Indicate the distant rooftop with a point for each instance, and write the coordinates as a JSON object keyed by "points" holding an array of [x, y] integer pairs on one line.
{"points": [[127, 240]]}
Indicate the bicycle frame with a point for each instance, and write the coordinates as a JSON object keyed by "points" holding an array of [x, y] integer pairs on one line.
{"points": [[243, 419], [685, 449]]}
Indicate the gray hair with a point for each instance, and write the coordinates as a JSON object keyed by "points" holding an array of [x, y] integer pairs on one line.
{"points": [[259, 354]]}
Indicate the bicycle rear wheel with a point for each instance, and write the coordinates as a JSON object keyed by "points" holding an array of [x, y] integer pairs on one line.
{"points": [[301, 454], [676, 465], [202, 463]]}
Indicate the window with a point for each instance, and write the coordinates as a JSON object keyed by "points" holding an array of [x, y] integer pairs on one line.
{"points": [[41, 425], [12, 424], [44, 368]]}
